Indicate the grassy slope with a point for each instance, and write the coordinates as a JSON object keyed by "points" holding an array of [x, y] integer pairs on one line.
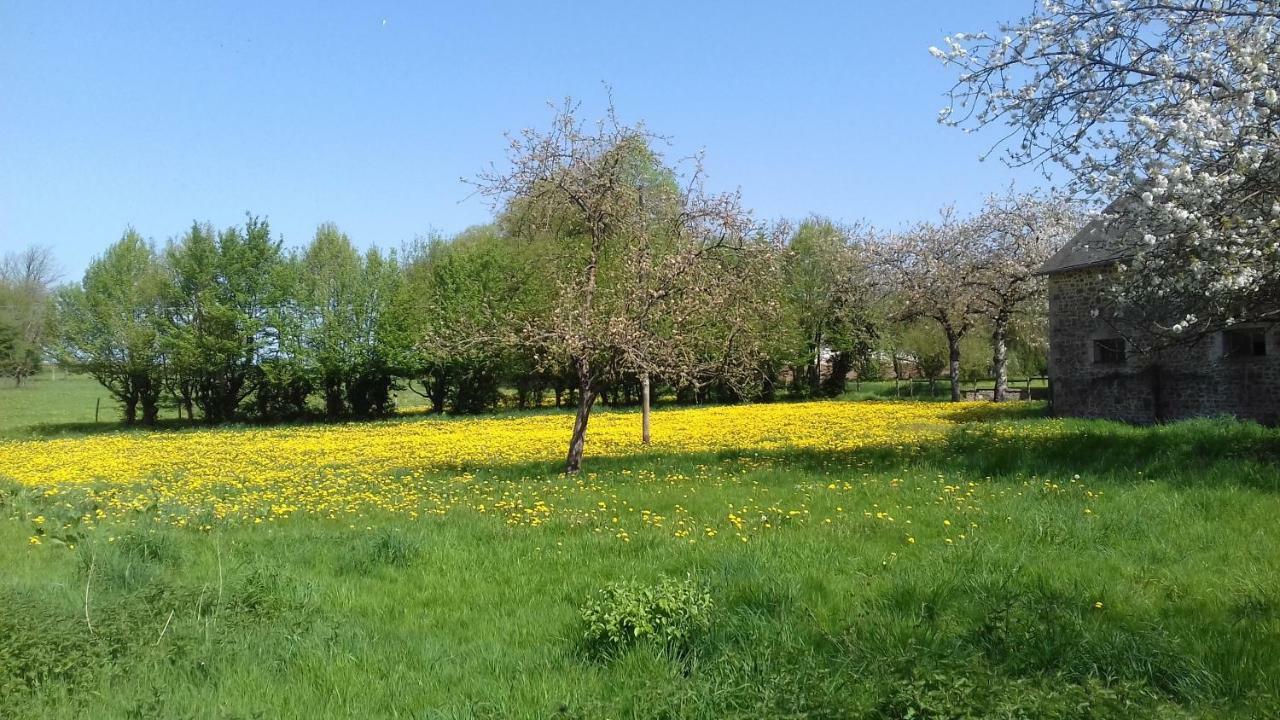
{"points": [[44, 405], [466, 617]]}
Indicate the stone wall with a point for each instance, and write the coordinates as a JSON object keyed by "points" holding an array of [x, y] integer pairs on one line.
{"points": [[1191, 380]]}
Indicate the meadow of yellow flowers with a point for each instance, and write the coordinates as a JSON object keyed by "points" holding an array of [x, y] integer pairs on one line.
{"points": [[428, 466]]}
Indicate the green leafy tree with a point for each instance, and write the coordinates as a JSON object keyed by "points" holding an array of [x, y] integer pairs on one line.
{"points": [[372, 380], [826, 282], [111, 324], [330, 279], [224, 296], [453, 296]]}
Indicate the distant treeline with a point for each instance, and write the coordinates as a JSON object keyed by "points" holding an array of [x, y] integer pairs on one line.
{"points": [[229, 325]]}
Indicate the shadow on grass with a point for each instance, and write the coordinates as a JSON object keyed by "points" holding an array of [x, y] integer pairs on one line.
{"points": [[994, 443], [45, 431]]}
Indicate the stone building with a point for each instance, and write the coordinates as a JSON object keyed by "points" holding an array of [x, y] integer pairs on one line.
{"points": [[1095, 372]]}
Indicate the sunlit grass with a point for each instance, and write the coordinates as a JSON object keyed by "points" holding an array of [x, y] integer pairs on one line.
{"points": [[871, 560]]}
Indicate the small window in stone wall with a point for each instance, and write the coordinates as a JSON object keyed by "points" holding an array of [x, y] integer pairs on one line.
{"points": [[1244, 343], [1108, 351]]}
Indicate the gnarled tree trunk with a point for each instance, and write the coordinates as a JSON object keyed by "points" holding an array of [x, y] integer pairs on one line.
{"points": [[578, 443]]}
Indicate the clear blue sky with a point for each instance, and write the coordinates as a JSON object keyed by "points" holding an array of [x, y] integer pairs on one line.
{"points": [[368, 114]]}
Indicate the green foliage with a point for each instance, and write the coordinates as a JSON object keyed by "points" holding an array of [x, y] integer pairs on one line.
{"points": [[922, 348], [673, 614], [454, 297], [338, 327], [283, 390], [223, 291], [828, 309], [112, 325], [224, 322]]}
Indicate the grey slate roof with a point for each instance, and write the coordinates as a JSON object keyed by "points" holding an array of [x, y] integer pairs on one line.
{"points": [[1094, 245]]}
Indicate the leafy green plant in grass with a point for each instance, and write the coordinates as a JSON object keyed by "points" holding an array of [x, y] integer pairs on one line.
{"points": [[42, 646], [674, 614]]}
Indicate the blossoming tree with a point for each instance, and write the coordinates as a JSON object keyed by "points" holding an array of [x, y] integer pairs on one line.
{"points": [[638, 271], [927, 270], [1170, 107], [1016, 234]]}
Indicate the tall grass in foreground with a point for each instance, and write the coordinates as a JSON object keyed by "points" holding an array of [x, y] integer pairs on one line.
{"points": [[1036, 569]]}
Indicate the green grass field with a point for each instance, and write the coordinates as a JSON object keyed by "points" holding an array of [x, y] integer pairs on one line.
{"points": [[1017, 567]]}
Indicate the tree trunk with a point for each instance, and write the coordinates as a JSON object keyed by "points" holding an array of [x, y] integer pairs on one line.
{"points": [[586, 398], [131, 409], [815, 377], [439, 388], [953, 347], [150, 410], [837, 379], [644, 408], [1000, 357], [332, 398]]}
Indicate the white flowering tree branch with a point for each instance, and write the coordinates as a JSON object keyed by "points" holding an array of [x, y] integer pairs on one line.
{"points": [[1169, 107]]}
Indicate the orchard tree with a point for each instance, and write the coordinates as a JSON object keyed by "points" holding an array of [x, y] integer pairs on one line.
{"points": [[927, 271], [111, 324], [1170, 108], [26, 311], [641, 268], [1016, 234]]}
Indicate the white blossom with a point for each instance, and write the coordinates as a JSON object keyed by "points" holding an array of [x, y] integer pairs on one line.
{"points": [[1172, 104]]}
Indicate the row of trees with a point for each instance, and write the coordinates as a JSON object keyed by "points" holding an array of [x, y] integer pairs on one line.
{"points": [[962, 274], [606, 274], [229, 324]]}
